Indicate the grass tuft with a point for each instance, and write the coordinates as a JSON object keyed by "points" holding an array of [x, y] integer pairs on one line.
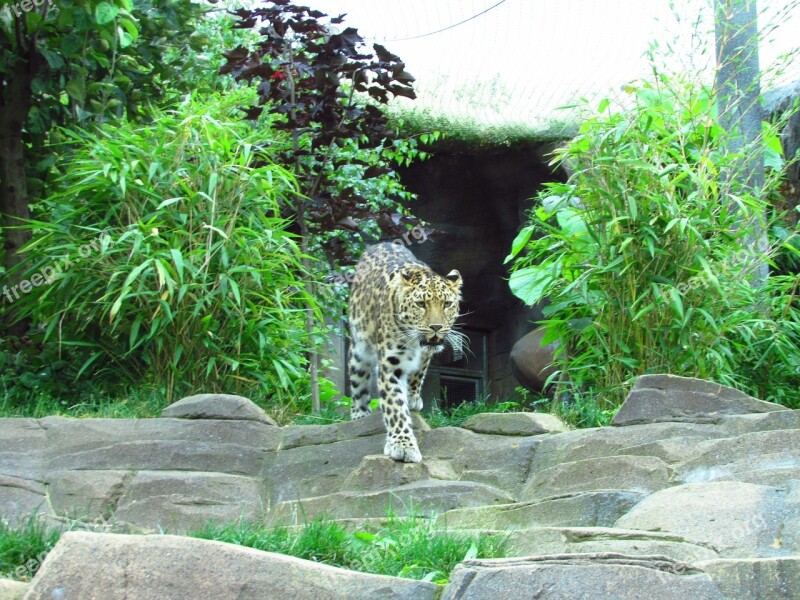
{"points": [[23, 548], [400, 547]]}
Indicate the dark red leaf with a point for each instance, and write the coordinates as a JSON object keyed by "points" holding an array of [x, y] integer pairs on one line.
{"points": [[384, 55]]}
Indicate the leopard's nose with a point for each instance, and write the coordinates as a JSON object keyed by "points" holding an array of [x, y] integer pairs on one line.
{"points": [[436, 328]]}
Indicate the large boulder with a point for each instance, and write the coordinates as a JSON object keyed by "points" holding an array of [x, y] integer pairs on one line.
{"points": [[567, 577], [531, 361], [93, 566], [699, 493], [659, 398], [226, 407], [517, 423], [738, 519]]}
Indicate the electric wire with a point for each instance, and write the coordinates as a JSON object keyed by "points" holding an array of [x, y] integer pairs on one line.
{"points": [[454, 25]]}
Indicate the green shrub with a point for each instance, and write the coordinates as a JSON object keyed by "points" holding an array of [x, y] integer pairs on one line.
{"points": [[164, 253], [647, 254]]}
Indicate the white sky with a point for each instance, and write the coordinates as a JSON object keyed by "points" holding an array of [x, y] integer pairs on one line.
{"points": [[520, 60]]}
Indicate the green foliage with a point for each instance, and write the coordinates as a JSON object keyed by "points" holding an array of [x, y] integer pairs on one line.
{"points": [[457, 415], [97, 58], [647, 254], [321, 540], [24, 547], [34, 377], [179, 269], [577, 409], [414, 549], [409, 548], [328, 84], [82, 399]]}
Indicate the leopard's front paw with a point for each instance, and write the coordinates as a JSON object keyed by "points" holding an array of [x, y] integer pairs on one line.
{"points": [[415, 402], [403, 450]]}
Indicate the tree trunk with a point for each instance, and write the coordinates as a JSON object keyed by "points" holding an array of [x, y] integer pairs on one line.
{"points": [[15, 102], [738, 90]]}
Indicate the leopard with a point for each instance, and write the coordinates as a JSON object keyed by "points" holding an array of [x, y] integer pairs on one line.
{"points": [[401, 313]]}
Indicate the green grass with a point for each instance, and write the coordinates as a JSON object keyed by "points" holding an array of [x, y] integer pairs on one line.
{"points": [[409, 548], [327, 416], [456, 416], [579, 411], [436, 417], [34, 403], [23, 548]]}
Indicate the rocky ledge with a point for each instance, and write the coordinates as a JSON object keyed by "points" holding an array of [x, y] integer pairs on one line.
{"points": [[694, 492]]}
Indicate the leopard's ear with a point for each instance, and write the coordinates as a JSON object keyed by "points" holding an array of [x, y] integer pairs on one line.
{"points": [[410, 277], [454, 280]]}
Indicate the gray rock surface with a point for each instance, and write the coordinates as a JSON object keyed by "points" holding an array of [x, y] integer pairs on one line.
{"points": [[592, 540], [756, 578], [586, 509], [737, 519], [226, 407], [571, 576], [658, 398], [21, 498], [697, 496], [521, 423], [93, 566], [12, 590], [643, 474], [420, 499], [181, 501]]}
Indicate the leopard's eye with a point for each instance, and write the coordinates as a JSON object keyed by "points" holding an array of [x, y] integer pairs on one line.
{"points": [[420, 303], [448, 303]]}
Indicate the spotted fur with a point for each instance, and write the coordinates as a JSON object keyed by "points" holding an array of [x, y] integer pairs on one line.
{"points": [[401, 314]]}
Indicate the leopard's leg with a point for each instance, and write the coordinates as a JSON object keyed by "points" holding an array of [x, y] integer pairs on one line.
{"points": [[361, 365], [401, 445], [415, 380]]}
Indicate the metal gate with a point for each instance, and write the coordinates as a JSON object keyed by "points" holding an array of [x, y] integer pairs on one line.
{"points": [[454, 379]]}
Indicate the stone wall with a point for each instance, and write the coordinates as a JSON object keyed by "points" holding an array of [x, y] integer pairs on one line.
{"points": [[693, 493]]}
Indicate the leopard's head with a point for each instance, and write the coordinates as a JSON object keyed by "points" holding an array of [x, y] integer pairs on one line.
{"points": [[427, 306]]}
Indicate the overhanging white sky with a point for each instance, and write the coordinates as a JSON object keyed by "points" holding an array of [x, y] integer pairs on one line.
{"points": [[520, 60]]}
